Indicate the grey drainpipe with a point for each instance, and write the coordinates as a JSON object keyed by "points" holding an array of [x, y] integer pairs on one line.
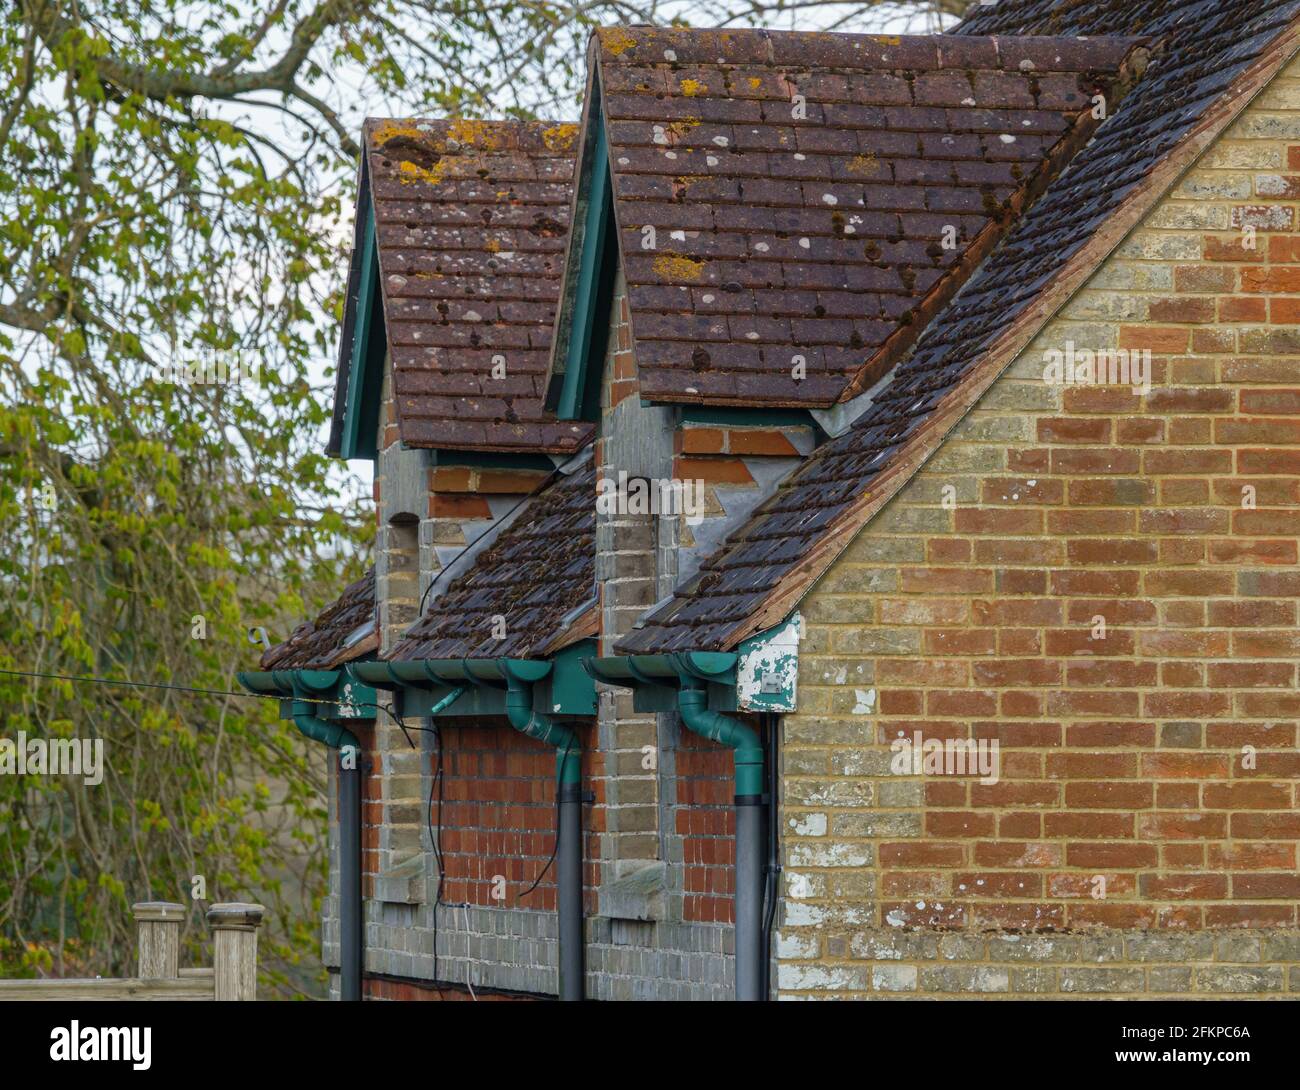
{"points": [[772, 873], [568, 849], [342, 740], [751, 834]]}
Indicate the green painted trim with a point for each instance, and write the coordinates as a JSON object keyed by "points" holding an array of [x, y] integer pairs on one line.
{"points": [[571, 687], [656, 679], [718, 667], [561, 684], [369, 345], [594, 281], [345, 696], [767, 675]]}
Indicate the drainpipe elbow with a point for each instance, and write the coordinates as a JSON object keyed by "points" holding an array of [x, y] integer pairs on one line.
{"points": [[519, 711], [742, 740], [334, 735]]}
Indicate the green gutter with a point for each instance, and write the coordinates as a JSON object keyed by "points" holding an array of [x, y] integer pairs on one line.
{"points": [[565, 687], [317, 684], [691, 673], [655, 679], [504, 686], [318, 697]]}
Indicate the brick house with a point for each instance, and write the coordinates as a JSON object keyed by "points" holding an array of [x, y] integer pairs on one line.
{"points": [[982, 347]]}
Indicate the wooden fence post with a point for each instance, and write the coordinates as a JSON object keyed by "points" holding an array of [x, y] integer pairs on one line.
{"points": [[158, 939], [234, 949]]}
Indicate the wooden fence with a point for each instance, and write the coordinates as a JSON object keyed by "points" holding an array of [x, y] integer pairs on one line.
{"points": [[233, 974]]}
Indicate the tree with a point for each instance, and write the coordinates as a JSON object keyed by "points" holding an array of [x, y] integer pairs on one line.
{"points": [[174, 175]]}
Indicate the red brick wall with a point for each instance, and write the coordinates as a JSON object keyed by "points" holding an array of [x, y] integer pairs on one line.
{"points": [[372, 806], [1174, 514], [965, 609], [498, 814], [706, 821]]}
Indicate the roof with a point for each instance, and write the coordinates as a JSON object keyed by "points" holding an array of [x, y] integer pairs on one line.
{"points": [[818, 197], [471, 224], [344, 631], [1212, 57], [534, 580]]}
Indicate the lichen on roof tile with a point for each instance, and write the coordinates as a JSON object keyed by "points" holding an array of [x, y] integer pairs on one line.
{"points": [[819, 196], [1199, 48], [471, 224]]}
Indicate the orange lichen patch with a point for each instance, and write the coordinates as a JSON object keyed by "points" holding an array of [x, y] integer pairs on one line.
{"points": [[388, 130], [676, 267], [682, 185], [414, 173], [617, 40], [755, 82], [418, 155], [863, 164], [560, 137], [887, 39], [492, 246], [692, 87], [475, 134]]}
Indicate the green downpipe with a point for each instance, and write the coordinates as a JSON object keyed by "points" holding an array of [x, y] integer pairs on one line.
{"points": [[568, 846], [568, 750], [334, 735], [744, 743]]}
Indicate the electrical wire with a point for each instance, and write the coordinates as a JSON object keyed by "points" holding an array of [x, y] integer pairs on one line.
{"points": [[555, 847], [401, 723], [495, 522], [152, 685], [437, 784]]}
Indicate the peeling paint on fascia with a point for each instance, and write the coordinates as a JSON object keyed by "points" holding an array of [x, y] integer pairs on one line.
{"points": [[768, 671]]}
